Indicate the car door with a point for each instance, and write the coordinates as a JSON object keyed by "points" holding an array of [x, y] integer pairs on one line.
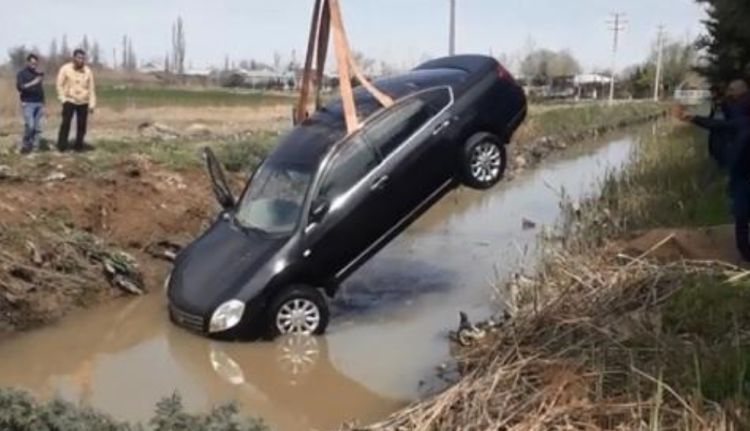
{"points": [[345, 189], [411, 140]]}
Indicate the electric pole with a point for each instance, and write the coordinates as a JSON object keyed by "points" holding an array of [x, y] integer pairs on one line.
{"points": [[452, 30], [659, 59], [616, 25]]}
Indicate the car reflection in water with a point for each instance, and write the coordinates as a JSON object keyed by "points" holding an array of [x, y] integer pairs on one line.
{"points": [[291, 383]]}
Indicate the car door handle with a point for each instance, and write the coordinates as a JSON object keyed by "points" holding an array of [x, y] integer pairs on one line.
{"points": [[441, 127], [380, 183]]}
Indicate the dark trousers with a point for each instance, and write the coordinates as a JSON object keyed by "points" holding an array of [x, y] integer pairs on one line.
{"points": [[742, 235], [82, 114]]}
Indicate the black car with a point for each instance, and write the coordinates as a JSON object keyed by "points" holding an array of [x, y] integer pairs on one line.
{"points": [[325, 201]]}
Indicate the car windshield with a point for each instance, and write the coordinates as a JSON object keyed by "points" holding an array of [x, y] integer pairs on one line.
{"points": [[273, 201]]}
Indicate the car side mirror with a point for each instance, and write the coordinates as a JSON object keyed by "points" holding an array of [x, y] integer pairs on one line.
{"points": [[319, 209]]}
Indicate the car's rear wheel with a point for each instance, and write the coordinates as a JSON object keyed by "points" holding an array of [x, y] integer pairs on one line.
{"points": [[483, 161], [297, 309]]}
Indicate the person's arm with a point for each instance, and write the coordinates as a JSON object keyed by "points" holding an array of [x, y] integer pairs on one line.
{"points": [[19, 82], [710, 123], [92, 92], [61, 76]]}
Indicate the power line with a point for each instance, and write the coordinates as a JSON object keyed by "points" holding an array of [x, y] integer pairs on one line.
{"points": [[616, 25], [659, 59], [452, 30]]}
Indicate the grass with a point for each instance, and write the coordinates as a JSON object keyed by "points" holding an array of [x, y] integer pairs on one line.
{"points": [[134, 97], [670, 182], [602, 341], [571, 121]]}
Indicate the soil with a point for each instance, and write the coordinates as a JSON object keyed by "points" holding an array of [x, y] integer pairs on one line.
{"points": [[130, 207], [714, 243]]}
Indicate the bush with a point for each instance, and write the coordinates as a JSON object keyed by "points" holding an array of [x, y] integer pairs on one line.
{"points": [[19, 411]]}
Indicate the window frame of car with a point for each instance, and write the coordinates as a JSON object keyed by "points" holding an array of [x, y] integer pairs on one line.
{"points": [[329, 160]]}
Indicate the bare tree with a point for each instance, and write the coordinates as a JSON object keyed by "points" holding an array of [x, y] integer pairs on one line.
{"points": [[53, 55], [65, 49], [124, 64], [132, 60], [277, 61], [178, 47], [96, 55], [17, 56], [85, 46]]}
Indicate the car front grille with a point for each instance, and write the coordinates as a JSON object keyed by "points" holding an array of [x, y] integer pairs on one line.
{"points": [[187, 320]]}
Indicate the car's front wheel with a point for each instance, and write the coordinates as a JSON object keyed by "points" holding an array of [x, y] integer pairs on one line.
{"points": [[297, 309], [483, 161]]}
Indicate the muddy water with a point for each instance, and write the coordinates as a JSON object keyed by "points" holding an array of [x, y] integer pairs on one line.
{"points": [[385, 341]]}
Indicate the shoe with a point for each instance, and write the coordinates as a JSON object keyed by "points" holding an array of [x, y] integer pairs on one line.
{"points": [[25, 150], [83, 148]]}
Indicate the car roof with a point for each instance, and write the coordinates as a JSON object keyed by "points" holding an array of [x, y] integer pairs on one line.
{"points": [[310, 141]]}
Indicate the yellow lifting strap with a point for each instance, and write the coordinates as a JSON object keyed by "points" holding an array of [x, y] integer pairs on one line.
{"points": [[326, 19]]}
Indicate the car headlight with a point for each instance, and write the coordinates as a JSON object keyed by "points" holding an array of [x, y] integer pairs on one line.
{"points": [[227, 316]]}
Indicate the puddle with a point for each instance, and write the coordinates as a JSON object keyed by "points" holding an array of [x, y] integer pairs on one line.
{"points": [[387, 336]]}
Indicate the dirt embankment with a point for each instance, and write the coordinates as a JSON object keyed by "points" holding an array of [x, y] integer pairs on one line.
{"points": [[57, 218]]}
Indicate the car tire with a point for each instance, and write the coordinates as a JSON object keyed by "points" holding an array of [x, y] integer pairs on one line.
{"points": [[483, 161], [297, 309]]}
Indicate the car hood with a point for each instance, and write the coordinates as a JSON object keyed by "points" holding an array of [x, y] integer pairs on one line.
{"points": [[218, 265]]}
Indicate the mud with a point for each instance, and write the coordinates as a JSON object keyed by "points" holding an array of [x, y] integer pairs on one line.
{"points": [[388, 333]]}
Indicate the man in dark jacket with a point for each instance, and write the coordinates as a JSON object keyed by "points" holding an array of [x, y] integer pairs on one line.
{"points": [[734, 129], [716, 138], [29, 85]]}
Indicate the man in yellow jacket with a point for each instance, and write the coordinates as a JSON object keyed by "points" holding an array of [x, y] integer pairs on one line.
{"points": [[77, 93]]}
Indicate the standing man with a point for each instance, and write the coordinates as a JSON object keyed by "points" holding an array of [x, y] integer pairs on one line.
{"points": [[31, 92], [735, 154], [76, 91]]}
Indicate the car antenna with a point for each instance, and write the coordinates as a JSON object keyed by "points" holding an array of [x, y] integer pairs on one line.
{"points": [[327, 19]]}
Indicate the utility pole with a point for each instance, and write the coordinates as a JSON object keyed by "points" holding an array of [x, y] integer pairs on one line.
{"points": [[616, 25], [659, 59], [452, 31]]}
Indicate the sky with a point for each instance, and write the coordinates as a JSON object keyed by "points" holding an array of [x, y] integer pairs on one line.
{"points": [[401, 32]]}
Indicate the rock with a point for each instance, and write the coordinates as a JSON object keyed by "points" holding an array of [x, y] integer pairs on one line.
{"points": [[5, 172], [198, 130], [55, 176], [520, 162], [158, 131], [527, 224]]}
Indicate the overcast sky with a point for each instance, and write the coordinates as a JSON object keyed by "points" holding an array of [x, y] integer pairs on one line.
{"points": [[399, 31]]}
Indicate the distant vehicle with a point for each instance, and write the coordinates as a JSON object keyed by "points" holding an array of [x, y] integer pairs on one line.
{"points": [[323, 202]]}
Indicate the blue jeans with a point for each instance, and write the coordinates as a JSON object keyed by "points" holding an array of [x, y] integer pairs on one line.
{"points": [[32, 118]]}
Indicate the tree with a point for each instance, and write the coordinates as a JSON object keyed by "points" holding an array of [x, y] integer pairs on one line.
{"points": [[277, 61], [178, 47], [365, 64], [544, 64], [17, 56], [65, 49], [727, 40], [85, 44], [132, 63], [96, 55], [53, 55], [678, 60], [124, 64]]}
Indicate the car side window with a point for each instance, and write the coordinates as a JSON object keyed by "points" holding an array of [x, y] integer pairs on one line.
{"points": [[393, 128], [355, 160]]}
